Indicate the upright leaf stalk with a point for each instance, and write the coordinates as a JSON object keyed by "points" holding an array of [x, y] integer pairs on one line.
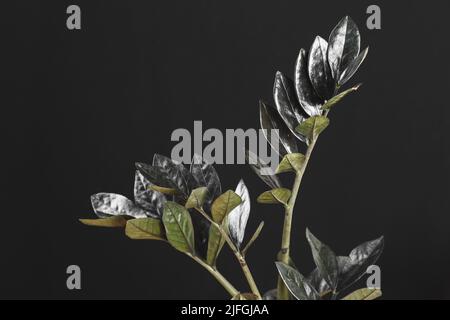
{"points": [[284, 255]]}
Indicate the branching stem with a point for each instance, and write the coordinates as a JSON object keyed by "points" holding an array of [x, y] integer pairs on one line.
{"points": [[241, 259]]}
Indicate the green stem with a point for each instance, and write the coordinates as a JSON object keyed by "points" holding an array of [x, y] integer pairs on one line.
{"points": [[217, 275], [241, 259], [284, 254]]}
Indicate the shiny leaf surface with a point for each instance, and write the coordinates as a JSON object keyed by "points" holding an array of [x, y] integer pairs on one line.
{"points": [[306, 94], [319, 70], [344, 46], [287, 104], [111, 204], [179, 229], [206, 176], [271, 120], [238, 217], [152, 202], [353, 67], [262, 171], [296, 283], [325, 260]]}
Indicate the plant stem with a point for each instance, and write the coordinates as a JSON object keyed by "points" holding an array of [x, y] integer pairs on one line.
{"points": [[217, 275], [245, 269], [284, 255]]}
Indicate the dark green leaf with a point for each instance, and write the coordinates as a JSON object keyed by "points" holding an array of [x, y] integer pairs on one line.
{"points": [[353, 267], [353, 67], [339, 97], [180, 177], [197, 198], [312, 127], [287, 105], [297, 285], [262, 171], [344, 46], [364, 294], [151, 201], [145, 229], [271, 120], [223, 205], [275, 196], [291, 163], [306, 94], [111, 222], [319, 70], [206, 176], [179, 228], [325, 260]]}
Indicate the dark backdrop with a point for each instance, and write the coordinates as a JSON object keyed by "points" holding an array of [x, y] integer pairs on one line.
{"points": [[80, 107]]}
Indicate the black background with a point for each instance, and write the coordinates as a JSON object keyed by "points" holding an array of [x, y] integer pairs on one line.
{"points": [[80, 107]]}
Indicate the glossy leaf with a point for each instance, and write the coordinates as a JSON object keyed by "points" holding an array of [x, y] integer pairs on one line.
{"points": [[111, 204], [306, 94], [151, 201], [291, 163], [319, 70], [353, 67], [296, 283], [339, 97], [238, 217], [275, 196], [312, 127], [287, 104], [325, 260], [364, 294], [271, 120], [344, 46], [262, 170], [111, 222], [181, 178], [179, 228], [353, 267], [206, 176], [197, 198], [145, 229], [223, 205], [253, 238], [156, 175], [215, 244]]}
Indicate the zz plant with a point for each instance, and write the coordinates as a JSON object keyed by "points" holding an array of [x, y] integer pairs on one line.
{"points": [[188, 209]]}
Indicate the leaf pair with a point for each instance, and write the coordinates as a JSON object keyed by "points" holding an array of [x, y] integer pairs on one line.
{"points": [[350, 268]]}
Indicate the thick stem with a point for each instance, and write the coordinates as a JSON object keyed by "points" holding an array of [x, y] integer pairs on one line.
{"points": [[245, 269], [218, 276], [284, 255]]}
